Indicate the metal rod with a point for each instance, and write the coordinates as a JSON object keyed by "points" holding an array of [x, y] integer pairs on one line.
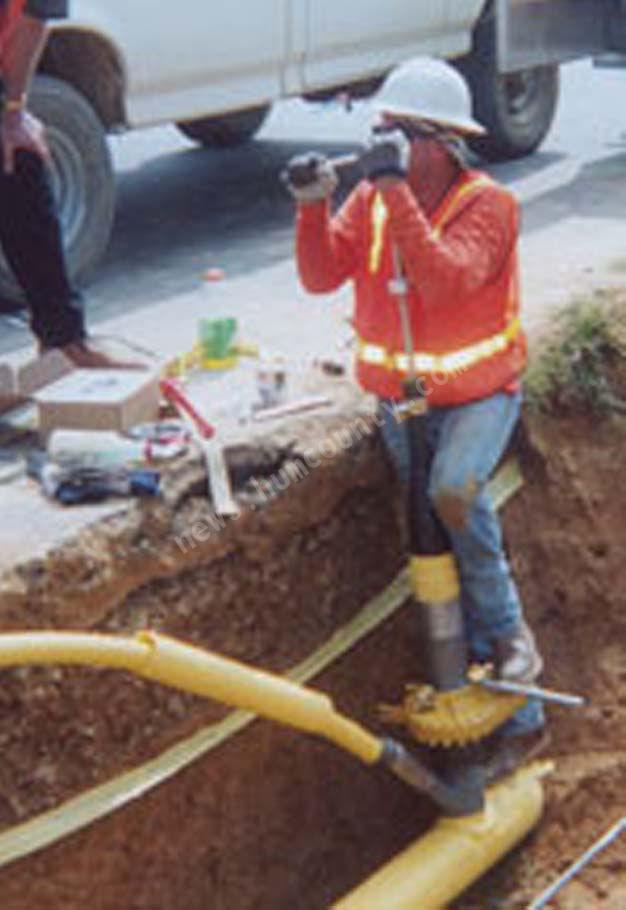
{"points": [[298, 406], [342, 161], [399, 287], [511, 688], [604, 842]]}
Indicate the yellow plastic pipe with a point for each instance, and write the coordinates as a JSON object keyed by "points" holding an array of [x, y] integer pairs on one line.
{"points": [[436, 869], [429, 874], [230, 682], [82, 648], [173, 663]]}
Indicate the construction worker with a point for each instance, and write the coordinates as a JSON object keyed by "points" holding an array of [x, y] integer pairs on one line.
{"points": [[453, 233], [30, 235]]}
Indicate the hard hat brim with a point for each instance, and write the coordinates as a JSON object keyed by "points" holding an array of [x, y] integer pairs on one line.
{"points": [[467, 126]]}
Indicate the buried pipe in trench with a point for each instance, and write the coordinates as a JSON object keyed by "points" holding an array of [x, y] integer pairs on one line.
{"points": [[456, 852], [436, 869]]}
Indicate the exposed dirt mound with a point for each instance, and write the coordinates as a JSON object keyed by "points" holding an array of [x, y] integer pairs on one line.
{"points": [[567, 533]]}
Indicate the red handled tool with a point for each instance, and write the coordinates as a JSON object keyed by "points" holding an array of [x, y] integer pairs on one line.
{"points": [[173, 390], [220, 489]]}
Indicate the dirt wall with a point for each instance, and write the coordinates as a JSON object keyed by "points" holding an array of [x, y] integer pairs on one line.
{"points": [[274, 819]]}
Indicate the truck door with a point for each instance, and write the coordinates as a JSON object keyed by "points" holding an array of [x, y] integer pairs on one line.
{"points": [[539, 32], [351, 39], [194, 57]]}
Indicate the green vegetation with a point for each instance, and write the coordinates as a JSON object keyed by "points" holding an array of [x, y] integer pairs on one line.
{"points": [[581, 368]]}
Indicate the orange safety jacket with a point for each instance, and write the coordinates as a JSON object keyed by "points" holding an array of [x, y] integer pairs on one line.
{"points": [[462, 285]]}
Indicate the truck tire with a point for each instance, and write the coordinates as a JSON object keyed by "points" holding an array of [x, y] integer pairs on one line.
{"points": [[225, 131], [81, 175], [517, 109]]}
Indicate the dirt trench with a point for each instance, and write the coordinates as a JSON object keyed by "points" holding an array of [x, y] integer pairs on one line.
{"points": [[273, 820], [567, 531]]}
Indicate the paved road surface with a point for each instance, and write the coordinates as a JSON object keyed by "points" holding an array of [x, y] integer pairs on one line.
{"points": [[182, 208]]}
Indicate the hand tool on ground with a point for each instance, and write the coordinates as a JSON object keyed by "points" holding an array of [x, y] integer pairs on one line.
{"points": [[161, 432], [612, 835], [174, 392], [219, 484], [75, 485], [310, 403]]}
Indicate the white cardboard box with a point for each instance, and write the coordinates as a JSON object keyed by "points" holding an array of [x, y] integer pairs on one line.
{"points": [[99, 400]]}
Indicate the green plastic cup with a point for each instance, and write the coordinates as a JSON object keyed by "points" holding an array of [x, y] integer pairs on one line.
{"points": [[216, 338]]}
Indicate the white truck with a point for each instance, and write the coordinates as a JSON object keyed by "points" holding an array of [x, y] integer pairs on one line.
{"points": [[215, 70]]}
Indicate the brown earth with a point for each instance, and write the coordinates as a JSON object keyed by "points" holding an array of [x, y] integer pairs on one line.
{"points": [[274, 819], [567, 530]]}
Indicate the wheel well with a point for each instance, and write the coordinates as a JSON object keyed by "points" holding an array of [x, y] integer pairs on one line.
{"points": [[362, 88], [90, 64]]}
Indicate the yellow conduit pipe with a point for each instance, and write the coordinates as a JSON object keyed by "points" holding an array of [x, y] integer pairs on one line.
{"points": [[436, 869], [173, 663], [429, 874]]}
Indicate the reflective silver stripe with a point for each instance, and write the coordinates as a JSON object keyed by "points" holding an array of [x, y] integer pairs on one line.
{"points": [[375, 354], [380, 215], [454, 362]]}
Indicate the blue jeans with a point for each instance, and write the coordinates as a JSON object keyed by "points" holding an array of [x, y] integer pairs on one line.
{"points": [[466, 443]]}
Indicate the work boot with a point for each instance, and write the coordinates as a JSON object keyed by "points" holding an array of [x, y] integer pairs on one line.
{"points": [[517, 658], [504, 754], [85, 356]]}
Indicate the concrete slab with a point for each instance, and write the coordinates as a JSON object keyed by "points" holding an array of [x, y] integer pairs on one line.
{"points": [[271, 310], [32, 526], [269, 305]]}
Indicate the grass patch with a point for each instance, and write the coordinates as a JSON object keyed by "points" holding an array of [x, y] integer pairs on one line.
{"points": [[581, 367]]}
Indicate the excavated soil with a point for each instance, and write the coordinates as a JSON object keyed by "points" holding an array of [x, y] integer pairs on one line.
{"points": [[566, 530], [274, 820]]}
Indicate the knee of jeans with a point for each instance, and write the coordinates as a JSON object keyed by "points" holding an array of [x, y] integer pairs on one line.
{"points": [[453, 503]]}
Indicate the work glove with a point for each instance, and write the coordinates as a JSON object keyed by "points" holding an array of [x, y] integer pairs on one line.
{"points": [[310, 177], [386, 154]]}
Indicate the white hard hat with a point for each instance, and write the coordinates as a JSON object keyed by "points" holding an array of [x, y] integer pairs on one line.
{"points": [[427, 89]]}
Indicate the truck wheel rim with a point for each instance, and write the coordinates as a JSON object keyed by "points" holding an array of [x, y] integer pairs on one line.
{"points": [[521, 91]]}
